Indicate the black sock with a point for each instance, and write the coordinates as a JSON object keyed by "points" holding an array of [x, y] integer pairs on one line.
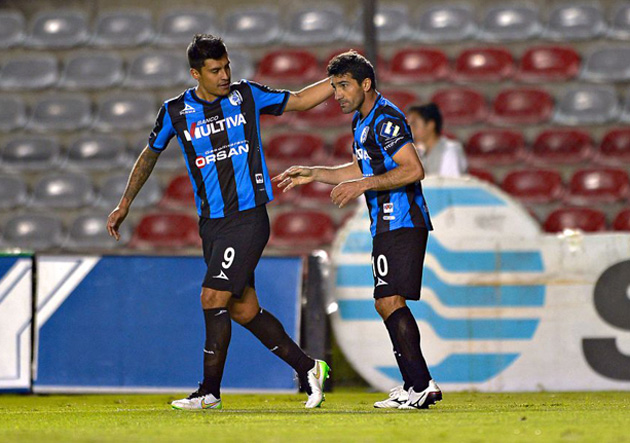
{"points": [[407, 383], [404, 327], [218, 333], [271, 333]]}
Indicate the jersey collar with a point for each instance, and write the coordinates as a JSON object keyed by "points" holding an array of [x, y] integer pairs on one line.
{"points": [[378, 98], [193, 94]]}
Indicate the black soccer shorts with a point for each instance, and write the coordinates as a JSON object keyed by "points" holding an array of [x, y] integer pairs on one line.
{"points": [[232, 247], [397, 260]]}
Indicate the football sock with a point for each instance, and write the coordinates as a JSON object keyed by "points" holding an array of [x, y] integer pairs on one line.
{"points": [[407, 383], [218, 333], [404, 327], [271, 333]]}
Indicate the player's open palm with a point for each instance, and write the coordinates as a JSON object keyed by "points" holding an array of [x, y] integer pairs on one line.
{"points": [[114, 221], [294, 176]]}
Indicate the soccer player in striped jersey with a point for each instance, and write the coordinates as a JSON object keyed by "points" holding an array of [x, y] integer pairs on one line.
{"points": [[387, 170], [217, 124]]}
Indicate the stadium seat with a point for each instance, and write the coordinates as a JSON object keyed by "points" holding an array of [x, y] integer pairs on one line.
{"points": [[521, 106], [614, 148], [461, 106], [11, 28], [548, 63], [587, 105], [59, 29], [171, 159], [121, 112], [166, 231], [67, 190], [89, 231], [413, 65], [177, 26], [290, 66], [561, 146], [29, 153], [294, 148], [622, 221], [342, 148], [391, 22], [33, 231], [584, 219], [13, 192], [123, 28], [316, 25], [483, 65], [96, 152], [113, 187], [252, 27], [620, 22], [302, 229], [598, 186], [61, 112], [448, 23], [607, 65], [510, 23], [494, 147], [241, 64], [157, 70], [482, 174], [12, 112], [575, 22], [179, 193], [315, 194], [29, 72], [534, 185], [326, 114], [403, 99], [92, 71]]}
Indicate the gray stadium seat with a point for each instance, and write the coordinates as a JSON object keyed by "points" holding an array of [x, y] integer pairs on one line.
{"points": [[510, 23], [113, 187], [92, 71], [123, 28], [620, 22], [157, 70], [391, 22], [607, 65], [30, 153], [12, 112], [242, 66], [11, 28], [96, 151], [587, 105], [29, 72], [63, 190], [625, 114], [446, 24], [58, 29], [61, 112], [33, 231], [89, 231], [178, 26], [170, 159], [13, 191], [320, 24], [252, 27], [120, 112], [575, 22]]}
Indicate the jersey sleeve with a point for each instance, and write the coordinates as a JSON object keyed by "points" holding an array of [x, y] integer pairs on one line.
{"points": [[268, 100], [163, 131], [392, 133]]}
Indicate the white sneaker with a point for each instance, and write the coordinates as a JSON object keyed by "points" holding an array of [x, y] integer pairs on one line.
{"points": [[316, 378], [422, 400], [397, 397], [198, 401]]}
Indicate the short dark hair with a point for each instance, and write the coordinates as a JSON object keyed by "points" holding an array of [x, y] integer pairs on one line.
{"points": [[352, 63], [429, 112], [203, 47]]}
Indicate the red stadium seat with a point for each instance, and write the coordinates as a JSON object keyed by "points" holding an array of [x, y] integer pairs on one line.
{"points": [[418, 65], [534, 186], [461, 106], [285, 120], [585, 219], [482, 174], [614, 148], [549, 63], [597, 186], [302, 228], [402, 99], [179, 193], [288, 66], [494, 147], [561, 146], [622, 221], [316, 193], [327, 114], [484, 65], [293, 148], [166, 231], [342, 148], [524, 106]]}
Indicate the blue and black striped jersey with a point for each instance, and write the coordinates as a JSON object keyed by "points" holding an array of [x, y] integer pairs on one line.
{"points": [[221, 144], [377, 138]]}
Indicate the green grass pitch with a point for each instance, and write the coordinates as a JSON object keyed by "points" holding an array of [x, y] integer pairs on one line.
{"points": [[345, 416]]}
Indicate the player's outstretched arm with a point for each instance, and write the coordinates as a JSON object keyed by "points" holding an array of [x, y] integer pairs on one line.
{"points": [[310, 96], [139, 175], [332, 175]]}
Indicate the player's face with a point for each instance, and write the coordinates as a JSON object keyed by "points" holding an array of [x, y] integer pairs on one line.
{"points": [[348, 92], [215, 76], [420, 129]]}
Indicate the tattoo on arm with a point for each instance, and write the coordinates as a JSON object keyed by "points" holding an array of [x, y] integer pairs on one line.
{"points": [[139, 174]]}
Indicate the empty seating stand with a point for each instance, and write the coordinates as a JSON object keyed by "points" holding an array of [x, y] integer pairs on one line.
{"points": [[12, 112], [548, 63], [166, 231], [33, 232], [55, 112], [92, 71], [120, 112], [252, 27], [58, 29], [29, 72], [412, 65], [598, 186], [157, 70], [622, 221], [96, 152], [123, 28], [521, 106], [302, 229], [510, 23], [575, 22], [561, 146], [11, 28], [176, 27], [534, 186], [461, 106], [13, 192], [495, 147], [607, 65], [392, 23], [587, 105], [179, 193], [284, 150], [449, 23], [89, 231], [63, 190], [288, 67], [113, 187], [316, 25], [614, 148], [483, 65], [584, 219], [620, 22], [30, 153]]}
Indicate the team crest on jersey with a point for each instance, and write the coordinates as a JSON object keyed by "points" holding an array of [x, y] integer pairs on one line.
{"points": [[187, 110], [388, 208], [364, 134], [390, 129], [235, 98]]}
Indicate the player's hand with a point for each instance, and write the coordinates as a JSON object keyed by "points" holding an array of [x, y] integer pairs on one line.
{"points": [[294, 176], [347, 191], [114, 221]]}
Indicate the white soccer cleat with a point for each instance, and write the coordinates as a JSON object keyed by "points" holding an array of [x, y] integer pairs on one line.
{"points": [[422, 400], [198, 401], [397, 397], [316, 378]]}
